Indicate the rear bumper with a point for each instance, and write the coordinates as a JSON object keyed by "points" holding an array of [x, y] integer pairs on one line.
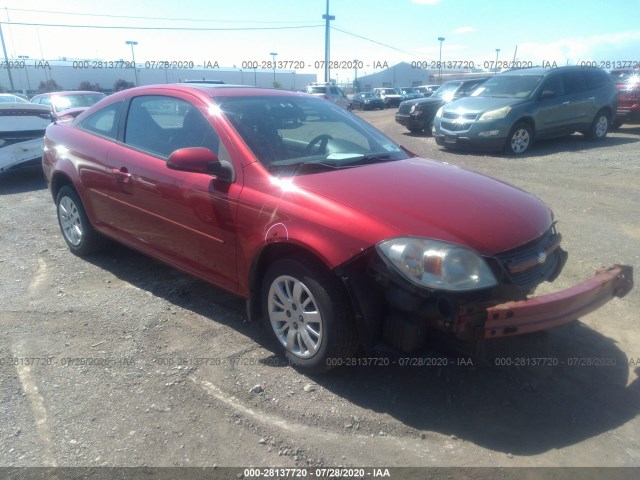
{"points": [[20, 154], [552, 310]]}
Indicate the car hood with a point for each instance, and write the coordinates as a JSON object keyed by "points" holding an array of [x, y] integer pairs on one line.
{"points": [[428, 101], [482, 104], [430, 199]]}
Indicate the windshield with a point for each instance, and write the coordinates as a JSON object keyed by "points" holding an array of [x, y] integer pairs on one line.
{"points": [[63, 102], [446, 91], [508, 86], [297, 135]]}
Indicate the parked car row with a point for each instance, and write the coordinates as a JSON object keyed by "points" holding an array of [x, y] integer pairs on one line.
{"points": [[417, 115], [513, 109], [253, 190]]}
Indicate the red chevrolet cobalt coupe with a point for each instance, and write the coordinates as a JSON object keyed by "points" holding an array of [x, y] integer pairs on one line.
{"points": [[337, 236]]}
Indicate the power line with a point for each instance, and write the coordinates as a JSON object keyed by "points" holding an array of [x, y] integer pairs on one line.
{"points": [[378, 43], [122, 27], [155, 18]]}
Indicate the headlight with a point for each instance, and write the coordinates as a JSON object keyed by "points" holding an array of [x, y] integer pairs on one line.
{"points": [[413, 109], [495, 114], [438, 265], [439, 112]]}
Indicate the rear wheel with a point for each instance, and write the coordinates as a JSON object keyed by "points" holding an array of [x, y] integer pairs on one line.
{"points": [[520, 139], [599, 126], [305, 308], [415, 129], [76, 229]]}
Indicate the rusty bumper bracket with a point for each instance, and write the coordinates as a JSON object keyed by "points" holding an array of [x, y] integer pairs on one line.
{"points": [[552, 310]]}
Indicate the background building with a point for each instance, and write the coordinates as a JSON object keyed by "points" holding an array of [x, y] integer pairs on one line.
{"points": [[69, 74]]}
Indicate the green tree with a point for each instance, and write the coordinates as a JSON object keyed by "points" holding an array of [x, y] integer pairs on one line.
{"points": [[88, 86], [49, 86], [122, 85]]}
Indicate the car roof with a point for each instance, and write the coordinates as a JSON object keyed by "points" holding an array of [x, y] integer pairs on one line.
{"points": [[211, 90], [546, 70]]}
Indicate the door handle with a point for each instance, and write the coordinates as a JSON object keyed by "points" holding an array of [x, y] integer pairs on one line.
{"points": [[122, 174], [566, 103]]}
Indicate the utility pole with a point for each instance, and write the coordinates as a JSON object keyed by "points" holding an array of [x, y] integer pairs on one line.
{"points": [[327, 18], [6, 58]]}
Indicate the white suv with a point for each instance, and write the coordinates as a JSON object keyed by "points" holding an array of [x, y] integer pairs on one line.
{"points": [[392, 97], [330, 92]]}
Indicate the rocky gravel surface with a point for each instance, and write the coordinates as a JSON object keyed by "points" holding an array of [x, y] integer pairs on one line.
{"points": [[118, 360]]}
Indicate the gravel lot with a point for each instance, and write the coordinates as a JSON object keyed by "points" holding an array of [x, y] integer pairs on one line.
{"points": [[134, 363]]}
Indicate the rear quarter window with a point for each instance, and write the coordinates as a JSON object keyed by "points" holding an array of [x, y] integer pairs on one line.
{"points": [[104, 122]]}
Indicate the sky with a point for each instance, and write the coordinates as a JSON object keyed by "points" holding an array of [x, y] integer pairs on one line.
{"points": [[375, 32]]}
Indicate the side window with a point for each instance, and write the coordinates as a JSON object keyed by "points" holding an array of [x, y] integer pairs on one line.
{"points": [[45, 100], [596, 78], [160, 125], [574, 82], [554, 83], [104, 122]]}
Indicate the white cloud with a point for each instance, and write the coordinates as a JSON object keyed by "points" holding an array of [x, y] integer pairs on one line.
{"points": [[464, 30], [607, 47]]}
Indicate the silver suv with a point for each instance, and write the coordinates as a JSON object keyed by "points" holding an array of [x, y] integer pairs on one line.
{"points": [[330, 92], [514, 108]]}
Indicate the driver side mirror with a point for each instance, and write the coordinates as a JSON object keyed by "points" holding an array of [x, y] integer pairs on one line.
{"points": [[201, 160], [547, 94]]}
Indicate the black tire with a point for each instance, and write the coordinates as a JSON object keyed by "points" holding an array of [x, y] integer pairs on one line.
{"points": [[75, 226], [600, 126], [428, 126], [415, 129], [520, 139], [309, 319]]}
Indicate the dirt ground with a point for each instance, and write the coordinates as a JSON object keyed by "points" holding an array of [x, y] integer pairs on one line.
{"points": [[118, 360]]}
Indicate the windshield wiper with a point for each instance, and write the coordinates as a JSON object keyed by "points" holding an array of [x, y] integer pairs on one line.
{"points": [[368, 159]]}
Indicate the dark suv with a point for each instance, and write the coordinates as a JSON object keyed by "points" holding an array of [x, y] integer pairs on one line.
{"points": [[516, 107], [417, 115]]}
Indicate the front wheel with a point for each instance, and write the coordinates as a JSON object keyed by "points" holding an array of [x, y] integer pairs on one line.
{"points": [[76, 229], [599, 126], [306, 310], [520, 139]]}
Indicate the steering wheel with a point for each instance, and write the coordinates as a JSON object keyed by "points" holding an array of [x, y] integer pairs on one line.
{"points": [[323, 140]]}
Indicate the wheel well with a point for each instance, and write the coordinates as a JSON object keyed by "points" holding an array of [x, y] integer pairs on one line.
{"points": [[608, 110], [529, 121], [266, 257], [58, 181]]}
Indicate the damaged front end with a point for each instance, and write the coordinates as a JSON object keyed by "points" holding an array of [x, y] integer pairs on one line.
{"points": [[405, 287]]}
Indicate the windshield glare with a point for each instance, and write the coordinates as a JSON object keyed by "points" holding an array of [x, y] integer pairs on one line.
{"points": [[76, 100], [288, 135], [447, 91], [508, 86]]}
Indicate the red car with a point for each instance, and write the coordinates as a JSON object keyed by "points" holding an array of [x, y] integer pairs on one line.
{"points": [[337, 236], [627, 82]]}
